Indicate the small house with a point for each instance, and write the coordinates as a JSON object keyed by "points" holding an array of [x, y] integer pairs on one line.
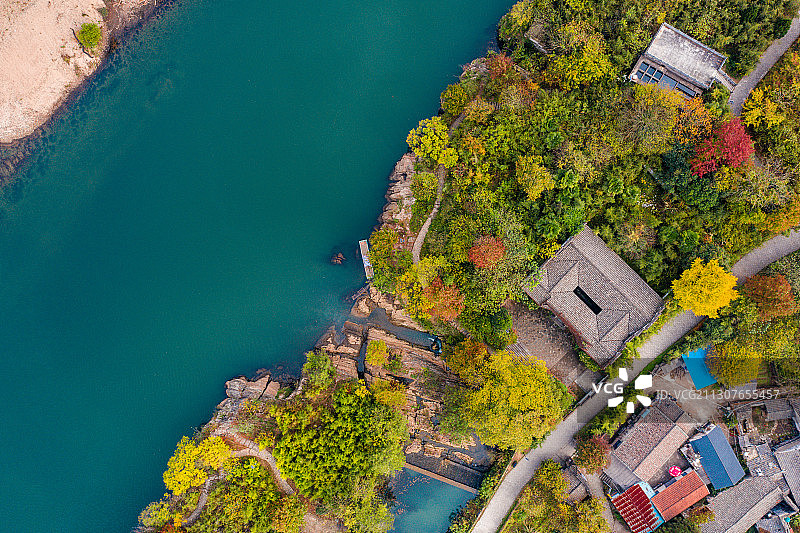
{"points": [[717, 457], [677, 61]]}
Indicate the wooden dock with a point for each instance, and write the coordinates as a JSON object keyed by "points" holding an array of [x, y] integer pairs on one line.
{"points": [[364, 246]]}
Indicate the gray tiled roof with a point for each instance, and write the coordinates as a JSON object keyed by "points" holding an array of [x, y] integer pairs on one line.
{"points": [[774, 524], [778, 409], [627, 303], [764, 464], [788, 456], [576, 489], [652, 440], [738, 508], [686, 56]]}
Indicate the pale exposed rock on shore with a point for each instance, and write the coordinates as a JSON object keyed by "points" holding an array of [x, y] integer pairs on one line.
{"points": [[41, 61]]}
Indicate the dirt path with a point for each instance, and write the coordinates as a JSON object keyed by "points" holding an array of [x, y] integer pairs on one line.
{"points": [[251, 449], [441, 173], [597, 491], [768, 59], [560, 442]]}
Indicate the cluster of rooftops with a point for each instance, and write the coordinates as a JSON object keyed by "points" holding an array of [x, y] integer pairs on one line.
{"points": [[648, 488]]}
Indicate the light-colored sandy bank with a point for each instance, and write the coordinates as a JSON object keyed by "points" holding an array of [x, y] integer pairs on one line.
{"points": [[40, 59]]}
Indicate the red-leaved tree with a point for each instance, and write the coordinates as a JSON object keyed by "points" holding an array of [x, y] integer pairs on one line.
{"points": [[729, 145], [499, 66], [773, 295], [487, 251], [592, 454]]}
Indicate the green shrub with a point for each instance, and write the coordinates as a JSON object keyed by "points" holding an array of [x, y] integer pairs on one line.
{"points": [[781, 27], [89, 35]]}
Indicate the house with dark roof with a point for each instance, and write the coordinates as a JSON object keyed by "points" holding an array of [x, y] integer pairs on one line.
{"points": [[596, 294], [717, 457], [738, 508], [679, 495], [636, 509], [676, 61], [644, 448]]}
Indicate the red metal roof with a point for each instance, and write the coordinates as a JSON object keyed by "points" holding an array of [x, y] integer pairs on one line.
{"points": [[679, 496], [636, 510]]}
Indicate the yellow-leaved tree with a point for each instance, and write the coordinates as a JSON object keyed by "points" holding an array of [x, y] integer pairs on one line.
{"points": [[733, 363], [517, 403], [705, 288], [192, 463]]}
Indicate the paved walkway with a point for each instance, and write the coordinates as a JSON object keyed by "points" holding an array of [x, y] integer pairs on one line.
{"points": [[559, 443], [768, 59]]}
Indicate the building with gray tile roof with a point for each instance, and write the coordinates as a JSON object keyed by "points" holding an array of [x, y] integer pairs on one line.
{"points": [[763, 462], [788, 456], [650, 442], [577, 489], [773, 524], [596, 294], [738, 508], [778, 409], [677, 61]]}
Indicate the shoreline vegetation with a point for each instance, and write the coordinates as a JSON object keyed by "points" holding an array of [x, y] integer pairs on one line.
{"points": [[50, 50], [532, 144]]}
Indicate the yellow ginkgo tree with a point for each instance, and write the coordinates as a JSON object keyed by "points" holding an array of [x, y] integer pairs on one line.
{"points": [[705, 288]]}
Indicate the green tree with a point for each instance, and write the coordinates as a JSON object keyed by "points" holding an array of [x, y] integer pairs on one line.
{"points": [[319, 369], [454, 99], [430, 141], [534, 178], [326, 447], [362, 511], [377, 353], [700, 515], [248, 501], [89, 35], [705, 288], [192, 462]]}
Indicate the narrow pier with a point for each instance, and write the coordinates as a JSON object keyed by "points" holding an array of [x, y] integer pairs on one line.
{"points": [[364, 246]]}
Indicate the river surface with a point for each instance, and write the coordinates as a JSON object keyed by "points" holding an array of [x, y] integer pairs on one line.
{"points": [[173, 230]]}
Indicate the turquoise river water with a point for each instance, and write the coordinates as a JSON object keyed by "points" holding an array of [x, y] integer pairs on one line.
{"points": [[173, 230]]}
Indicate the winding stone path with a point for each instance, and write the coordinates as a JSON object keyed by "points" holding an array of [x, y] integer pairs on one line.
{"points": [[559, 444], [768, 59]]}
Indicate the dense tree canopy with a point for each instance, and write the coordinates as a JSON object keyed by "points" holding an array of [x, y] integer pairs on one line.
{"points": [[326, 448], [544, 506], [511, 404]]}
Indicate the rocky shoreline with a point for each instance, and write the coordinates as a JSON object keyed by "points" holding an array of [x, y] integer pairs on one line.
{"points": [[43, 67]]}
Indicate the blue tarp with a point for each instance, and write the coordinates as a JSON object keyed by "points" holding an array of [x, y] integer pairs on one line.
{"points": [[718, 459], [696, 364]]}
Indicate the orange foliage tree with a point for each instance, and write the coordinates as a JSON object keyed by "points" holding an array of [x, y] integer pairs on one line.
{"points": [[487, 251], [694, 121], [441, 301], [773, 295]]}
